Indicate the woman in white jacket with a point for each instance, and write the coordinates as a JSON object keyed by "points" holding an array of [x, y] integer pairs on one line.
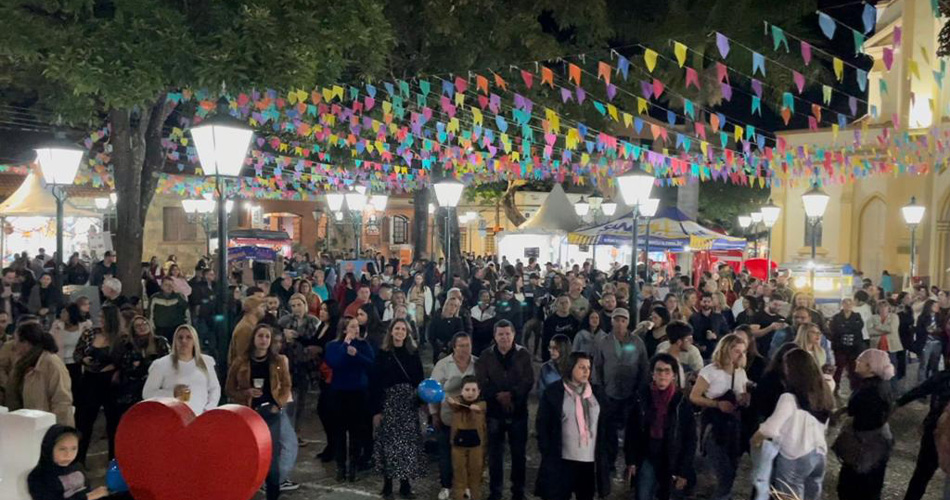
{"points": [[185, 374]]}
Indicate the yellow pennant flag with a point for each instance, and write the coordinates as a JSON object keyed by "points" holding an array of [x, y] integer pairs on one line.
{"points": [[553, 119], [338, 92], [649, 57], [476, 116], [459, 99], [612, 111], [912, 67], [680, 50], [737, 132], [923, 52], [839, 68], [641, 105], [834, 130], [627, 120], [453, 125], [703, 147]]}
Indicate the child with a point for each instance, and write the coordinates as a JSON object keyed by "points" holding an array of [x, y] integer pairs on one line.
{"points": [[468, 440], [56, 476]]}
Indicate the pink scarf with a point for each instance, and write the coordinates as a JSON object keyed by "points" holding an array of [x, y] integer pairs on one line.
{"points": [[581, 410]]}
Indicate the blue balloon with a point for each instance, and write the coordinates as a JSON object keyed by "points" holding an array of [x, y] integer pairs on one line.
{"points": [[430, 391], [114, 480]]}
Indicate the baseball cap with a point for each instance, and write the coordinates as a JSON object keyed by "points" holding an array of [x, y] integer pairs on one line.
{"points": [[620, 312]]}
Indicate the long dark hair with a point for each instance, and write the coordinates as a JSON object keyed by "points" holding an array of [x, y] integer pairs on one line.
{"points": [[333, 310], [373, 323], [36, 336], [804, 380], [409, 343], [271, 355]]}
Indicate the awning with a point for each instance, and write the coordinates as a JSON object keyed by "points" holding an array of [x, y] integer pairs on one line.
{"points": [[669, 230]]}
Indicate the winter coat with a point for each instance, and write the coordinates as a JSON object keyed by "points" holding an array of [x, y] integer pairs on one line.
{"points": [[239, 380], [679, 434]]}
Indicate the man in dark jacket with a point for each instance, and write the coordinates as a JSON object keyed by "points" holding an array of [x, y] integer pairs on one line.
{"points": [[168, 310], [847, 341], [506, 307], [938, 388], [659, 446], [708, 326], [506, 376], [103, 268]]}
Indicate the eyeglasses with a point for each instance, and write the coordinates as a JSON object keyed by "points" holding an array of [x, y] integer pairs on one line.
{"points": [[662, 370]]}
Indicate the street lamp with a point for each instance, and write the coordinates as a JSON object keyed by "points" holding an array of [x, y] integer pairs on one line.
{"points": [[770, 214], [609, 208], [756, 219], [448, 192], [59, 162], [745, 221], [379, 201], [432, 232], [635, 187], [222, 143], [913, 215], [199, 211], [816, 202], [582, 207], [648, 210], [355, 203]]}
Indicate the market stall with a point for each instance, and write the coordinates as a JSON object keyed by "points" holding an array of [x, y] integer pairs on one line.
{"points": [[544, 236]]}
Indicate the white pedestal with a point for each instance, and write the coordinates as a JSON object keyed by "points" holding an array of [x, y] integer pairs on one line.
{"points": [[21, 434]]}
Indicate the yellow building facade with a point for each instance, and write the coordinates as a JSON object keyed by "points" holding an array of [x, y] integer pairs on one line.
{"points": [[863, 224]]}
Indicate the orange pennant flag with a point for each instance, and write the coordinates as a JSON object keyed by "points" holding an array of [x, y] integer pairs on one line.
{"points": [[786, 115], [574, 74], [603, 71], [714, 122], [816, 110], [547, 76], [481, 83], [500, 82]]}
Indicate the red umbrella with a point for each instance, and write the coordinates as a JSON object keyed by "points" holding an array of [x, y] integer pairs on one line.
{"points": [[757, 267]]}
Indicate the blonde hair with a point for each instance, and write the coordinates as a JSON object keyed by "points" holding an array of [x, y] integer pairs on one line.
{"points": [[720, 356], [802, 341], [449, 301], [196, 342], [299, 296]]}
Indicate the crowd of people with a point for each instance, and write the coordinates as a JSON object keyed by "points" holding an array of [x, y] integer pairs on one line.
{"points": [[642, 391]]}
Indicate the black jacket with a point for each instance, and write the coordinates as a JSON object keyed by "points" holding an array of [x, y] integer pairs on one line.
{"points": [[512, 372], [548, 427], [846, 333], [679, 434], [394, 367]]}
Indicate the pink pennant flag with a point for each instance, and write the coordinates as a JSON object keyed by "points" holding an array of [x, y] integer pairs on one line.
{"points": [[700, 130], [799, 80], [806, 53], [722, 73], [527, 77], [657, 88], [897, 36], [691, 77], [888, 57]]}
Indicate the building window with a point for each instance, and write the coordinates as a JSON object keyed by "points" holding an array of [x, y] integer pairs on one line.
{"points": [[400, 230], [490, 243], [176, 226], [808, 230]]}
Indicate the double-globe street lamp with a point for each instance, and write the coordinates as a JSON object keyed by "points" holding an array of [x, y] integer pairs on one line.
{"points": [[770, 214], [635, 187], [648, 209], [355, 201], [59, 162], [448, 192], [222, 142]]}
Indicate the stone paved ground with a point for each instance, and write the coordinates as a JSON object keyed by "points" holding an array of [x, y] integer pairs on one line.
{"points": [[317, 480]]}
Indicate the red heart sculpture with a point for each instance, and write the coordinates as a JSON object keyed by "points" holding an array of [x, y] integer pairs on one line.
{"points": [[165, 453]]}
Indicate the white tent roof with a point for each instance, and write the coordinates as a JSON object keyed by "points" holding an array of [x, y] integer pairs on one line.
{"points": [[556, 214], [32, 199]]}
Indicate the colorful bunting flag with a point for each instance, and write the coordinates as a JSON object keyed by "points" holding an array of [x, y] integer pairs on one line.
{"points": [[862, 77], [799, 80], [806, 52], [756, 105], [758, 63], [778, 38], [858, 42], [649, 57], [692, 77], [838, 65], [680, 51], [868, 17], [827, 25], [722, 43]]}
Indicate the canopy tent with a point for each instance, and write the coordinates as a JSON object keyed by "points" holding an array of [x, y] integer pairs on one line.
{"points": [[32, 199], [670, 230], [544, 236]]}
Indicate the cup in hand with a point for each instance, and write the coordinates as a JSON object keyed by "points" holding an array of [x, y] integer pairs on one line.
{"points": [[258, 383]]}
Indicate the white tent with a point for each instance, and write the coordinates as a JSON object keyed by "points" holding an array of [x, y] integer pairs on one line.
{"points": [[31, 214], [544, 235]]}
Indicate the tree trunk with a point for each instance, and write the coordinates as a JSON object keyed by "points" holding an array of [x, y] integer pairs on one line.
{"points": [[137, 159], [420, 224], [508, 203]]}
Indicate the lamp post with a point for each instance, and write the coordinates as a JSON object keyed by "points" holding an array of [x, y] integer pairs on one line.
{"points": [[815, 201], [59, 162], [756, 219], [431, 209], [582, 207], [200, 212], [355, 203], [770, 214], [635, 187], [222, 143], [913, 215], [744, 222], [648, 210], [448, 192]]}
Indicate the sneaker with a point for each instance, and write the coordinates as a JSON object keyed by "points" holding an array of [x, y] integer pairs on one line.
{"points": [[468, 493], [445, 494], [288, 485]]}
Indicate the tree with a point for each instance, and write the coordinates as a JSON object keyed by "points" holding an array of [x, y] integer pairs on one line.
{"points": [[95, 61]]}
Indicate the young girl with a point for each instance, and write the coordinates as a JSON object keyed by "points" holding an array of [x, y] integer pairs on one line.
{"points": [[468, 440], [57, 476]]}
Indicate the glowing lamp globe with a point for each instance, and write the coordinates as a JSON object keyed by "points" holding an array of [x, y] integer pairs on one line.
{"points": [[448, 192], [635, 187], [59, 162], [222, 142], [582, 207], [770, 214], [815, 201], [335, 201], [913, 213], [609, 208], [355, 201], [649, 207], [745, 221]]}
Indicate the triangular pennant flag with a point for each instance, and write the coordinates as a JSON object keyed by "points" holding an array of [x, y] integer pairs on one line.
{"points": [[641, 105], [481, 83], [637, 124], [888, 57], [778, 38], [862, 77], [757, 87], [788, 101], [500, 82], [726, 91], [527, 77], [826, 94], [723, 139], [611, 91], [722, 43], [858, 42], [883, 86], [689, 109], [799, 80], [913, 68], [670, 117], [737, 132], [649, 57], [714, 122], [868, 17], [806, 53], [853, 105], [756, 105], [574, 74], [692, 77], [581, 94], [842, 120], [786, 115], [812, 123], [680, 51], [646, 89], [758, 63], [897, 36], [722, 72], [827, 25], [603, 71], [565, 94], [657, 88], [838, 65], [623, 66], [816, 111]]}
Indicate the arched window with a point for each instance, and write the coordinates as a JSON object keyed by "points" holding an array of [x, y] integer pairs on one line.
{"points": [[399, 231]]}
